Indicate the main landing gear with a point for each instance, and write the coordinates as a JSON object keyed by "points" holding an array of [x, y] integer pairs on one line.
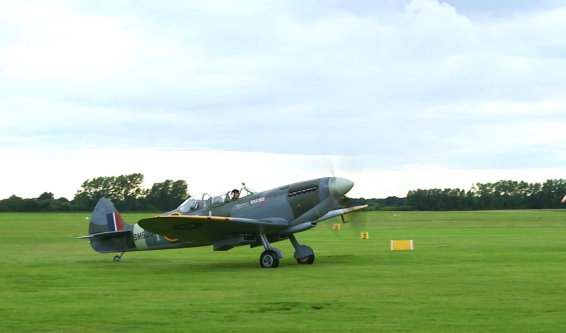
{"points": [[270, 257], [303, 253], [118, 257]]}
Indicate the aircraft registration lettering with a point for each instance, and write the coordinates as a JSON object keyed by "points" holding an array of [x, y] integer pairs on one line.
{"points": [[142, 235]]}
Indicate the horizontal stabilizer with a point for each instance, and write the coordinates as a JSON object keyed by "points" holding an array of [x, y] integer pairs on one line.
{"points": [[107, 234], [338, 212]]}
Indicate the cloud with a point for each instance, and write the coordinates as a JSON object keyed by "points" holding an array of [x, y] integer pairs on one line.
{"points": [[452, 84], [58, 43]]}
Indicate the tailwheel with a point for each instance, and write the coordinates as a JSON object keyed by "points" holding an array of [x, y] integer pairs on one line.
{"points": [[269, 259], [306, 260], [118, 257]]}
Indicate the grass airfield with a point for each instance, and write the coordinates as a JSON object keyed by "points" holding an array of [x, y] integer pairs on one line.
{"points": [[497, 271]]}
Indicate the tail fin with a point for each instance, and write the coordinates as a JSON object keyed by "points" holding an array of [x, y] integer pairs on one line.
{"points": [[107, 231], [105, 218]]}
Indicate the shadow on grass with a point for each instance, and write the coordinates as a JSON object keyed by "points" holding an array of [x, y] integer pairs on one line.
{"points": [[187, 265], [286, 306]]}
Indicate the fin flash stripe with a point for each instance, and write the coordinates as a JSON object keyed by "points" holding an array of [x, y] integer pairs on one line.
{"points": [[115, 221]]}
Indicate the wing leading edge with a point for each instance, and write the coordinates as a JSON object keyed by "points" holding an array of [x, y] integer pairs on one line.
{"points": [[338, 212], [207, 229]]}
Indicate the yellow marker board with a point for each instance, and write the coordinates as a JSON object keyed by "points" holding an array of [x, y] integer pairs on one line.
{"points": [[365, 235], [400, 245], [336, 226]]}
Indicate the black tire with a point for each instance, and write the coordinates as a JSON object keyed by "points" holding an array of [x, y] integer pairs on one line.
{"points": [[269, 259], [117, 258], [306, 260]]}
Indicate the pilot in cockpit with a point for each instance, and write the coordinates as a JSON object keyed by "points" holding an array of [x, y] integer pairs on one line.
{"points": [[235, 194]]}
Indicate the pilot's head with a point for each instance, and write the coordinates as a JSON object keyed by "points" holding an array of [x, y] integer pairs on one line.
{"points": [[235, 194]]}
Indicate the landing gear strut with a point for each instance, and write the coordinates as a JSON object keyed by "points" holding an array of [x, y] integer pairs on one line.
{"points": [[303, 253], [270, 257], [118, 257]]}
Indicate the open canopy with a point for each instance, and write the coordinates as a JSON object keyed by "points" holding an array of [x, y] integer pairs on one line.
{"points": [[195, 202], [203, 200]]}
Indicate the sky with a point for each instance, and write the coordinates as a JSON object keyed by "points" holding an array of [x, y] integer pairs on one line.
{"points": [[395, 95]]}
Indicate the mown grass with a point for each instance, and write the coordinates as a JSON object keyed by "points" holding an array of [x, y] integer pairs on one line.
{"points": [[469, 272]]}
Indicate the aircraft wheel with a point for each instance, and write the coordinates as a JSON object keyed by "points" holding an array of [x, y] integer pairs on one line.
{"points": [[269, 259], [117, 258], [306, 260]]}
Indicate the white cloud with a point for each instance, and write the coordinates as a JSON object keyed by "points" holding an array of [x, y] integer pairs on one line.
{"points": [[427, 83], [58, 43]]}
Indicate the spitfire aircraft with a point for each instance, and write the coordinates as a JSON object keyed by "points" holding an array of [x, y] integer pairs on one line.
{"points": [[230, 219]]}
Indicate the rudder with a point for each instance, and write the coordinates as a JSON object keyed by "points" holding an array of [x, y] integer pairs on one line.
{"points": [[105, 217]]}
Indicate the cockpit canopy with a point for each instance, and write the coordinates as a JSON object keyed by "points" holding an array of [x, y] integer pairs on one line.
{"points": [[195, 202], [203, 200], [227, 196]]}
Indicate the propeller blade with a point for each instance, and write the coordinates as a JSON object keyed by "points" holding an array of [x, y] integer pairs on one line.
{"points": [[349, 225]]}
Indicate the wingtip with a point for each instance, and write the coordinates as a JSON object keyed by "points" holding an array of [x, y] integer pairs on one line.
{"points": [[359, 207]]}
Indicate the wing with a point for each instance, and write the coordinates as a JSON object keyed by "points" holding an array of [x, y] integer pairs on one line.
{"points": [[206, 229], [338, 212]]}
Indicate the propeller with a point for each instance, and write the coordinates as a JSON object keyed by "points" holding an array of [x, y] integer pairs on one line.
{"points": [[340, 186], [344, 165], [350, 224], [351, 220]]}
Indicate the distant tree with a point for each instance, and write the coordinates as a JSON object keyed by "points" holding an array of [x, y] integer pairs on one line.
{"points": [[31, 205], [14, 204], [129, 191], [46, 196], [167, 195], [45, 205], [65, 207], [124, 190]]}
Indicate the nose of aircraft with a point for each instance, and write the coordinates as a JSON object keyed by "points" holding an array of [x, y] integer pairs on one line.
{"points": [[339, 186]]}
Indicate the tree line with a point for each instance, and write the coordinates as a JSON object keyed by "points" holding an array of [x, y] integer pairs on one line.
{"points": [[125, 191], [127, 194], [504, 194]]}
